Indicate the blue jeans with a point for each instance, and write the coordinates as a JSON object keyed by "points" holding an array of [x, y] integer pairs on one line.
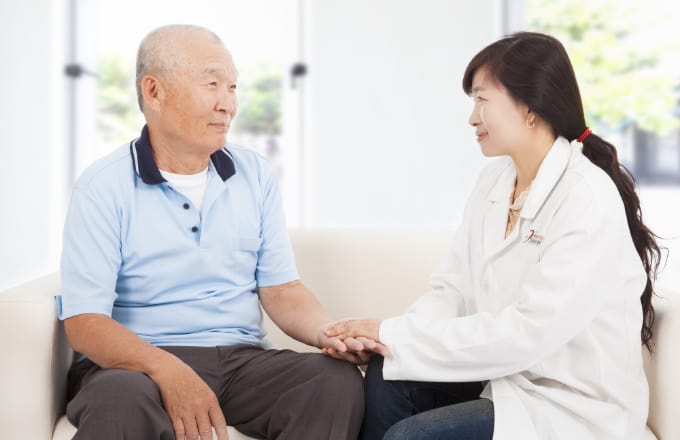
{"points": [[408, 410]]}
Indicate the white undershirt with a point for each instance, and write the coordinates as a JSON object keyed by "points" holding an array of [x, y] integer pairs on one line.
{"points": [[191, 185]]}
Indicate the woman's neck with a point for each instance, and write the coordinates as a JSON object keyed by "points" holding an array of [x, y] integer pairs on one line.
{"points": [[528, 160]]}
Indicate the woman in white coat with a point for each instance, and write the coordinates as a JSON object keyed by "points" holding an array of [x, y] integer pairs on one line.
{"points": [[533, 326]]}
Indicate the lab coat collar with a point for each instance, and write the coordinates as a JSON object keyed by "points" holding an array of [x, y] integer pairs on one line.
{"points": [[553, 166], [549, 173]]}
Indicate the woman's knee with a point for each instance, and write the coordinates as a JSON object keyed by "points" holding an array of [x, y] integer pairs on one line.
{"points": [[406, 429], [467, 420]]}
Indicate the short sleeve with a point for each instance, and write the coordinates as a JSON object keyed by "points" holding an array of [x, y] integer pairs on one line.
{"points": [[91, 254], [276, 262]]}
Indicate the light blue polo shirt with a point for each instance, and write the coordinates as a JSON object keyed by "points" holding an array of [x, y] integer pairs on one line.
{"points": [[138, 251]]}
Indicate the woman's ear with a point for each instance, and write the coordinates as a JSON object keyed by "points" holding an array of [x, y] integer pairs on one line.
{"points": [[530, 121]]}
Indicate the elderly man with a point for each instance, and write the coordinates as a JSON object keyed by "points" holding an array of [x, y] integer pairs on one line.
{"points": [[170, 245]]}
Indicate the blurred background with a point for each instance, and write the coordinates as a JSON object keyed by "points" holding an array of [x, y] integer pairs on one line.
{"points": [[358, 103]]}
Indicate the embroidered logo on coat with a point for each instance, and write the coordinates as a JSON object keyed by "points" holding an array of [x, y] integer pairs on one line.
{"points": [[533, 238]]}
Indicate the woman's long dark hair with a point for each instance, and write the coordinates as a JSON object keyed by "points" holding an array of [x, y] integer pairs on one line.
{"points": [[535, 69]]}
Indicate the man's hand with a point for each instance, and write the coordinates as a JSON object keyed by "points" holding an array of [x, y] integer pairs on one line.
{"points": [[190, 403], [357, 350], [300, 315]]}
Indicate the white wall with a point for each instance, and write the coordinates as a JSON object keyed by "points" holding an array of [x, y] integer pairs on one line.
{"points": [[388, 143], [31, 144]]}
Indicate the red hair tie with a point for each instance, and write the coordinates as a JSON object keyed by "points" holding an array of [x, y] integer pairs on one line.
{"points": [[584, 135]]}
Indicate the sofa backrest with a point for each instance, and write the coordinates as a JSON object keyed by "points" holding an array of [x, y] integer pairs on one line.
{"points": [[363, 273]]}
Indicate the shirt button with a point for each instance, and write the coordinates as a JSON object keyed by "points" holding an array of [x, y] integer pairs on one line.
{"points": [[186, 206], [194, 229]]}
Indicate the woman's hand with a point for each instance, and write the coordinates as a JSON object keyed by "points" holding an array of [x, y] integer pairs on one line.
{"points": [[353, 328], [359, 337]]}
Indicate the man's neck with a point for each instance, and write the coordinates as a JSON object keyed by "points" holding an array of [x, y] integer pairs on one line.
{"points": [[175, 159]]}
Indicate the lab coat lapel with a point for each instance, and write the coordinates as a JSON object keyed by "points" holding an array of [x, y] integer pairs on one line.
{"points": [[553, 166], [496, 215]]}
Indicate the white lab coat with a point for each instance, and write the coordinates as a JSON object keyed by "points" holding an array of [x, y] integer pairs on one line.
{"points": [[551, 316]]}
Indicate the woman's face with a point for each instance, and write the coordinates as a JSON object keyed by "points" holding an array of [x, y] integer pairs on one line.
{"points": [[501, 123]]}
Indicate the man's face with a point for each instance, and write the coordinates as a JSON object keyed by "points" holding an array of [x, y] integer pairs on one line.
{"points": [[199, 101]]}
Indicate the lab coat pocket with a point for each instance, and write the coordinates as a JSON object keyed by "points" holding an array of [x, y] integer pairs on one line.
{"points": [[504, 274]]}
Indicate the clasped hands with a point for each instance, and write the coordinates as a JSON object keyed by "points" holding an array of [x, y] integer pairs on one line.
{"points": [[353, 340]]}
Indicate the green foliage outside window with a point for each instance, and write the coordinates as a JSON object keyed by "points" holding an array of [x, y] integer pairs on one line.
{"points": [[259, 91], [619, 50], [118, 116]]}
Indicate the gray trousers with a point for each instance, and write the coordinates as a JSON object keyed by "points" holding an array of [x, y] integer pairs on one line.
{"points": [[266, 394]]}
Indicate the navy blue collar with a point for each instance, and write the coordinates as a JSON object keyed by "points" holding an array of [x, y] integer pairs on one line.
{"points": [[147, 170]]}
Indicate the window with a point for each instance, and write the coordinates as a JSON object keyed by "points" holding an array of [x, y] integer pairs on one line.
{"points": [[626, 55], [263, 36]]}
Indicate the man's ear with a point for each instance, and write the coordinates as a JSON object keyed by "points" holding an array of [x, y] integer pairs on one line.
{"points": [[152, 92]]}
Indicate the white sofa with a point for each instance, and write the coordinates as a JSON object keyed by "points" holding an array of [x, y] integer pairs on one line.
{"points": [[353, 272]]}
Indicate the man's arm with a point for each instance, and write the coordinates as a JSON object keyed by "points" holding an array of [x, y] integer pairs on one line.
{"points": [[190, 403], [111, 345], [296, 310]]}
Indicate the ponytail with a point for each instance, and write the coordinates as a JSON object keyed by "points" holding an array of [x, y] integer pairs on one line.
{"points": [[603, 154]]}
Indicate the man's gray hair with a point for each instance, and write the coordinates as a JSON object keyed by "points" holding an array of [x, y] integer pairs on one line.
{"points": [[155, 54]]}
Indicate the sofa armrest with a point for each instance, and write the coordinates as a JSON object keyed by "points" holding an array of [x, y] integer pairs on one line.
{"points": [[663, 368], [34, 360]]}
